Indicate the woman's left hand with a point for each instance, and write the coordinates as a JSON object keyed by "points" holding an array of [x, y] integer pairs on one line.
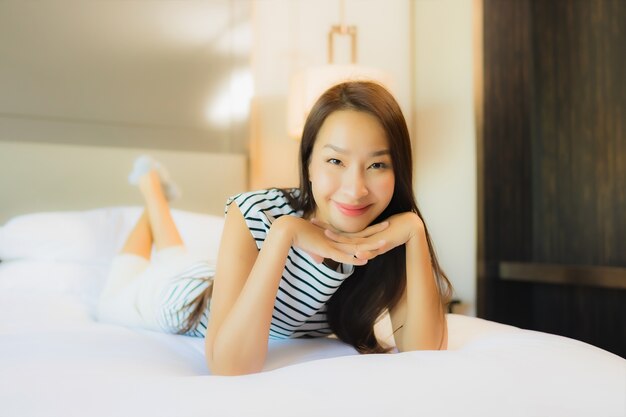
{"points": [[395, 231]]}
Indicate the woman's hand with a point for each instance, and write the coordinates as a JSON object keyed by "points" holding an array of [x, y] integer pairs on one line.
{"points": [[378, 238], [311, 238]]}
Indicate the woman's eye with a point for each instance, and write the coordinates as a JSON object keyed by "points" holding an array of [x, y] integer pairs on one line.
{"points": [[334, 161], [378, 165]]}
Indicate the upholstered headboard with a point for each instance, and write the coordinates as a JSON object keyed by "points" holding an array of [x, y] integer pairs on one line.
{"points": [[49, 177]]}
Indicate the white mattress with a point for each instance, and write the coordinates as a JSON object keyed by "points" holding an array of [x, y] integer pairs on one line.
{"points": [[55, 360]]}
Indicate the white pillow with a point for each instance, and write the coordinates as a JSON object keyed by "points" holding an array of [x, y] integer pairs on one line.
{"points": [[95, 236], [200, 232], [38, 276]]}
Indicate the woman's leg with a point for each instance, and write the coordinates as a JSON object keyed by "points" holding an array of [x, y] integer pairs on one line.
{"points": [[139, 241], [135, 281], [117, 303], [163, 230]]}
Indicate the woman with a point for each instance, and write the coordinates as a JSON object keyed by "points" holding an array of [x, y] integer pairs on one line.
{"points": [[336, 253]]}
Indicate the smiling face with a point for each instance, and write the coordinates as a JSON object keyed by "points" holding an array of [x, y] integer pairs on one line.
{"points": [[351, 170]]}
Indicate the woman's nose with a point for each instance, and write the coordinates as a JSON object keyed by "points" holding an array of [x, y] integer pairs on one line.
{"points": [[354, 185]]}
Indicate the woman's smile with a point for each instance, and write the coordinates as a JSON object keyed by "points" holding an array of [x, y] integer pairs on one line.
{"points": [[352, 210]]}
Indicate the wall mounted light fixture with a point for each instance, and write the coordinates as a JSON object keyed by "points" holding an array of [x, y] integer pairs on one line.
{"points": [[306, 86]]}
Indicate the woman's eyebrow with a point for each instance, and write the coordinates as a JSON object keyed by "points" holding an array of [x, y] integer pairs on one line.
{"points": [[344, 151], [381, 152]]}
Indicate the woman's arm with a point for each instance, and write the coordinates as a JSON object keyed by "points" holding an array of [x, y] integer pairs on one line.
{"points": [[246, 282], [245, 287], [418, 319]]}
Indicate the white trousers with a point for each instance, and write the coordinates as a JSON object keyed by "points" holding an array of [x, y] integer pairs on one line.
{"points": [[131, 295]]}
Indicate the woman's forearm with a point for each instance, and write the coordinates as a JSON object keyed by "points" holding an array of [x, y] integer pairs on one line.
{"points": [[425, 324], [240, 344]]}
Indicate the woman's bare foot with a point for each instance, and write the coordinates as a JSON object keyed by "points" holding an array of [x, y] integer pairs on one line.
{"points": [[143, 165]]}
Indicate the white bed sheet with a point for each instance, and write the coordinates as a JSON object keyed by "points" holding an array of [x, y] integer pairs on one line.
{"points": [[56, 360]]}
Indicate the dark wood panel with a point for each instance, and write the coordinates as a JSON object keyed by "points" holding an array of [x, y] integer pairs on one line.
{"points": [[592, 315], [505, 178], [553, 165], [578, 136], [592, 276], [507, 84]]}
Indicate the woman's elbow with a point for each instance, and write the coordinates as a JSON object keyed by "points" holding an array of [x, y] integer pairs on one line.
{"points": [[226, 365], [229, 370], [411, 347], [431, 341], [232, 368]]}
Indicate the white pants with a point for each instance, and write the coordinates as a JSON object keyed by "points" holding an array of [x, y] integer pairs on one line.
{"points": [[131, 295]]}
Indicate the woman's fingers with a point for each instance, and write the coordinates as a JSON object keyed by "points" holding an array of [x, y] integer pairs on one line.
{"points": [[359, 247], [343, 238], [370, 230], [350, 253], [367, 250], [347, 258], [339, 238], [379, 249], [351, 237], [367, 232], [323, 225], [335, 253], [350, 248]]}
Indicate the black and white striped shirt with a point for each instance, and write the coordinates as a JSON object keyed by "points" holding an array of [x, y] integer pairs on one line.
{"points": [[305, 287]]}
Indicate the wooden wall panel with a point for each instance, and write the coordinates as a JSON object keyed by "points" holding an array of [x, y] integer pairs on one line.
{"points": [[505, 192], [507, 98], [578, 137], [553, 168]]}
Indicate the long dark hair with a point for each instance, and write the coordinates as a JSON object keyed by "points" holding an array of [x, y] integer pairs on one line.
{"points": [[376, 287], [196, 309]]}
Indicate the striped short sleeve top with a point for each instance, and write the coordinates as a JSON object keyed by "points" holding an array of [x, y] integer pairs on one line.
{"points": [[306, 286]]}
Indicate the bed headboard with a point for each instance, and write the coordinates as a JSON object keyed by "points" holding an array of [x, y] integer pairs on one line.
{"points": [[50, 177]]}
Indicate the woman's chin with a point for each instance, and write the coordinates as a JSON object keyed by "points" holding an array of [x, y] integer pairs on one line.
{"points": [[350, 226]]}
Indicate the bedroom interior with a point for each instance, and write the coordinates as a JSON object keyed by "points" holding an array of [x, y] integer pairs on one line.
{"points": [[509, 159]]}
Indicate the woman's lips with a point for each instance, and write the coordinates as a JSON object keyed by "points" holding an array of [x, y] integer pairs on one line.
{"points": [[350, 210]]}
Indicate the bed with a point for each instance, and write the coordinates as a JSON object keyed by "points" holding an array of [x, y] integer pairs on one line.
{"points": [[57, 360]]}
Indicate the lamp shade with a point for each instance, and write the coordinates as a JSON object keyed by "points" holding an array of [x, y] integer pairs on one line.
{"points": [[307, 86]]}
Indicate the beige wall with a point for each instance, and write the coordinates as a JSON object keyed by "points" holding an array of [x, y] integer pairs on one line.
{"points": [[142, 74], [446, 137]]}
